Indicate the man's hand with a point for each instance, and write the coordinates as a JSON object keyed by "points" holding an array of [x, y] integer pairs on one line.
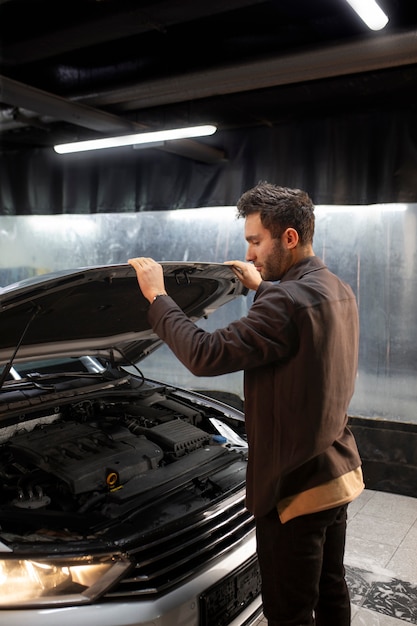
{"points": [[150, 277], [246, 273]]}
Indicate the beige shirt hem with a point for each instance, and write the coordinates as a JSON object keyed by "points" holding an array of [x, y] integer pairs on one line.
{"points": [[336, 492]]}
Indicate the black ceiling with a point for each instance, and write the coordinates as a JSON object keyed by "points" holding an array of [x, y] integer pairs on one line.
{"points": [[76, 69]]}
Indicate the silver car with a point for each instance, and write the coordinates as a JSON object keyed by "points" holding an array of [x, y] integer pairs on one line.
{"points": [[122, 499]]}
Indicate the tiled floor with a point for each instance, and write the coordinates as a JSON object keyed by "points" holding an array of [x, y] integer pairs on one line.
{"points": [[381, 560]]}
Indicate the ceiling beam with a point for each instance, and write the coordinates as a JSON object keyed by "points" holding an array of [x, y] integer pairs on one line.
{"points": [[362, 55], [23, 96]]}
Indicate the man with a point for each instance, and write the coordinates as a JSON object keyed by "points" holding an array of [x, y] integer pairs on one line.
{"points": [[298, 347]]}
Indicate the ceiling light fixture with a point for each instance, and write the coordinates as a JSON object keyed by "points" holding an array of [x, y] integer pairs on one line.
{"points": [[139, 138], [370, 13]]}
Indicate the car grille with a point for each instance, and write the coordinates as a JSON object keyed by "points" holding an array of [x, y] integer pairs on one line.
{"points": [[183, 551]]}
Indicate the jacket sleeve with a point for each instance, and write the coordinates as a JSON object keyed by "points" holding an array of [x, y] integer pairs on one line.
{"points": [[251, 341]]}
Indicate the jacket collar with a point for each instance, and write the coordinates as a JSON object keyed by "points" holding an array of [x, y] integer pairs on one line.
{"points": [[305, 266]]}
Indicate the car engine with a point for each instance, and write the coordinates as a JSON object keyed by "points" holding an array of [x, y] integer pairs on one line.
{"points": [[99, 459]]}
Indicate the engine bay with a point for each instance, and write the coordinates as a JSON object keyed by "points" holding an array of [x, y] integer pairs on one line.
{"points": [[102, 459]]}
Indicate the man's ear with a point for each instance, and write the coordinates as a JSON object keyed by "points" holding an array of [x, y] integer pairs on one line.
{"points": [[290, 238]]}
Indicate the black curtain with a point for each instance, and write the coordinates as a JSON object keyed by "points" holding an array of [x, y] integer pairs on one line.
{"points": [[350, 159]]}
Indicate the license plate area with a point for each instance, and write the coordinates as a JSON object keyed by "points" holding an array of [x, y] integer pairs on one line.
{"points": [[222, 602]]}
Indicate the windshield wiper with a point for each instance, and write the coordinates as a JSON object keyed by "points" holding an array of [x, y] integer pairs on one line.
{"points": [[37, 380]]}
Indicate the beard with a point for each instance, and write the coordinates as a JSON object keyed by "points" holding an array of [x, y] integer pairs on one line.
{"points": [[277, 262]]}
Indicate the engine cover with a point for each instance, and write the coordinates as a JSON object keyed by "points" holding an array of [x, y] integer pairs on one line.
{"points": [[86, 457]]}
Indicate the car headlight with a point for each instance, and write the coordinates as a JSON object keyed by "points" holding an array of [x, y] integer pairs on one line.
{"points": [[41, 582]]}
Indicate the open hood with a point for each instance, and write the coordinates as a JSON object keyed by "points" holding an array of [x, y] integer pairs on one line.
{"points": [[100, 311]]}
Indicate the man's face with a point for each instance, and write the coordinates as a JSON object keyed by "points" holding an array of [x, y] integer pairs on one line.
{"points": [[270, 256]]}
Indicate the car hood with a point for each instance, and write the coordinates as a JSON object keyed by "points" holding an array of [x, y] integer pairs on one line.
{"points": [[100, 311]]}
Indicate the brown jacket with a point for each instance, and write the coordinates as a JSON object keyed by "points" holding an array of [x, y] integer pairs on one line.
{"points": [[298, 347]]}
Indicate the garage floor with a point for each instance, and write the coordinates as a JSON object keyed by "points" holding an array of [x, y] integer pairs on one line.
{"points": [[381, 559]]}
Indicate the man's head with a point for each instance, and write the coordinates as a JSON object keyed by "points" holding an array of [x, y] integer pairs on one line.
{"points": [[280, 208], [279, 227]]}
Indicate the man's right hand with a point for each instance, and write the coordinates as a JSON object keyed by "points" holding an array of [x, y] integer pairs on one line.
{"points": [[150, 277]]}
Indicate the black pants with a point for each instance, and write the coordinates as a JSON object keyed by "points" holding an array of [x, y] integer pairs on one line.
{"points": [[302, 571]]}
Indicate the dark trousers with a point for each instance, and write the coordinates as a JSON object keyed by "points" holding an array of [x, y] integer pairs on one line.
{"points": [[302, 571]]}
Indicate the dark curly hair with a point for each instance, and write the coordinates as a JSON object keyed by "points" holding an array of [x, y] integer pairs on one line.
{"points": [[280, 208]]}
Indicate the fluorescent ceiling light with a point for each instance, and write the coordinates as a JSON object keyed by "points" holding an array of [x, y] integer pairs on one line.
{"points": [[370, 13], [129, 140]]}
